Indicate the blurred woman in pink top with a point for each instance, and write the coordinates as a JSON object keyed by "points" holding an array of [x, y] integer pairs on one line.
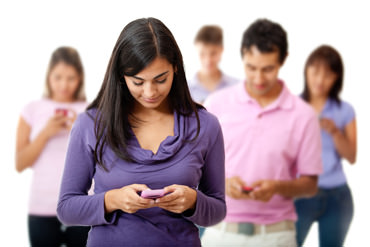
{"points": [[42, 138]]}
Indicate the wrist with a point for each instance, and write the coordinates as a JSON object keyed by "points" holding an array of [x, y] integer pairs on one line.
{"points": [[108, 201], [335, 132], [193, 205], [278, 187]]}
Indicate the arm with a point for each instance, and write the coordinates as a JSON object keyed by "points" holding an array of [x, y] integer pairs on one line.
{"points": [[210, 207], [304, 186], [308, 164], [205, 206], [28, 151], [345, 142], [75, 206], [263, 190]]}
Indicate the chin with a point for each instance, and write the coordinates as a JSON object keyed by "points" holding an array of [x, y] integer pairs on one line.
{"points": [[150, 105]]}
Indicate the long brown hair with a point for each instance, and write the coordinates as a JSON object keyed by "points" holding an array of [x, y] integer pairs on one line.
{"points": [[70, 56], [140, 42]]}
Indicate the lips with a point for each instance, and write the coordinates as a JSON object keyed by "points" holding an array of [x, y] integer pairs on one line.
{"points": [[260, 87]]}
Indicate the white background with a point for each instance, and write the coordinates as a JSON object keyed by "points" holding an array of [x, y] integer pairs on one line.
{"points": [[31, 30]]}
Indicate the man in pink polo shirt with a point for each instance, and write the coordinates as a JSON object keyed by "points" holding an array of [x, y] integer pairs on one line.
{"points": [[272, 144]]}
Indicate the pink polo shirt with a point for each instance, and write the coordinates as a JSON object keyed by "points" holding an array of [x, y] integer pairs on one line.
{"points": [[278, 142]]}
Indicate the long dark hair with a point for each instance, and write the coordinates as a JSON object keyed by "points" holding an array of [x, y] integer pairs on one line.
{"points": [[140, 42], [70, 56], [329, 56]]}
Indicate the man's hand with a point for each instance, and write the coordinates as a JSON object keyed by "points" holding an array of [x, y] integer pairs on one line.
{"points": [[234, 189]]}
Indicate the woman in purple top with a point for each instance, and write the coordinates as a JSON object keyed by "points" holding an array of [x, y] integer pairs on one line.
{"points": [[143, 131], [332, 207]]}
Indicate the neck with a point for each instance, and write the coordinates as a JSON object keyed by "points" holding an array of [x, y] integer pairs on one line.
{"points": [[216, 73], [59, 100], [318, 102], [210, 80], [153, 114]]}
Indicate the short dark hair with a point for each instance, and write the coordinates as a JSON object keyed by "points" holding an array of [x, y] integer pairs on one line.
{"points": [[210, 34], [140, 43], [330, 57], [267, 36]]}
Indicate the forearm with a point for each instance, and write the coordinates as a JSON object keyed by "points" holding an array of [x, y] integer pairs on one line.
{"points": [[83, 210], [344, 147], [305, 186], [29, 154], [208, 210]]}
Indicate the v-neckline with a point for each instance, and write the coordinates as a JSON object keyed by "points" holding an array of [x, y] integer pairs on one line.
{"points": [[150, 152]]}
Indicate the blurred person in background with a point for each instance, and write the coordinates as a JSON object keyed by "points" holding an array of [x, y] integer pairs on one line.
{"points": [[332, 206], [41, 144], [272, 146], [209, 44]]}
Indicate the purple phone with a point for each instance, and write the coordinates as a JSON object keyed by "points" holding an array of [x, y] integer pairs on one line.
{"points": [[152, 194]]}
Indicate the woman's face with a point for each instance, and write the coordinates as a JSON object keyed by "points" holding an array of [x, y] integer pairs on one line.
{"points": [[320, 79], [63, 82], [151, 86]]}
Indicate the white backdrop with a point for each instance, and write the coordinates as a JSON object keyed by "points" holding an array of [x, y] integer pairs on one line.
{"points": [[31, 30]]}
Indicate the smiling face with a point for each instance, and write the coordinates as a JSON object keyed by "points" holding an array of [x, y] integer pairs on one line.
{"points": [[261, 70], [151, 86], [320, 79], [64, 81]]}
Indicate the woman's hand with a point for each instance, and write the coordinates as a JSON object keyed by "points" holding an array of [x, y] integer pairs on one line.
{"points": [[328, 125], [127, 199], [179, 199], [55, 124], [71, 118]]}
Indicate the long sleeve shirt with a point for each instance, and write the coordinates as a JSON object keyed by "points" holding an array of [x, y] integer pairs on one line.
{"points": [[198, 164]]}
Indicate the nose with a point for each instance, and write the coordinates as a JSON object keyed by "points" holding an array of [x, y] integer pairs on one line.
{"points": [[150, 89], [64, 84], [320, 79], [259, 77]]}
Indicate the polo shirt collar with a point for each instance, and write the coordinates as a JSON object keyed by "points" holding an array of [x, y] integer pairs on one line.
{"points": [[284, 101]]}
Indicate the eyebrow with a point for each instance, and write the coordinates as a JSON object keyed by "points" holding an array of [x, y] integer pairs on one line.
{"points": [[156, 77]]}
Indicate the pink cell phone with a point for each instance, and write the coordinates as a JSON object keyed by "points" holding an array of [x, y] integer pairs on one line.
{"points": [[247, 189], [62, 111], [152, 194]]}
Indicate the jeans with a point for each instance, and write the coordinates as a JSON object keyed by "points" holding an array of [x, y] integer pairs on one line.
{"points": [[201, 231], [49, 231], [332, 209]]}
